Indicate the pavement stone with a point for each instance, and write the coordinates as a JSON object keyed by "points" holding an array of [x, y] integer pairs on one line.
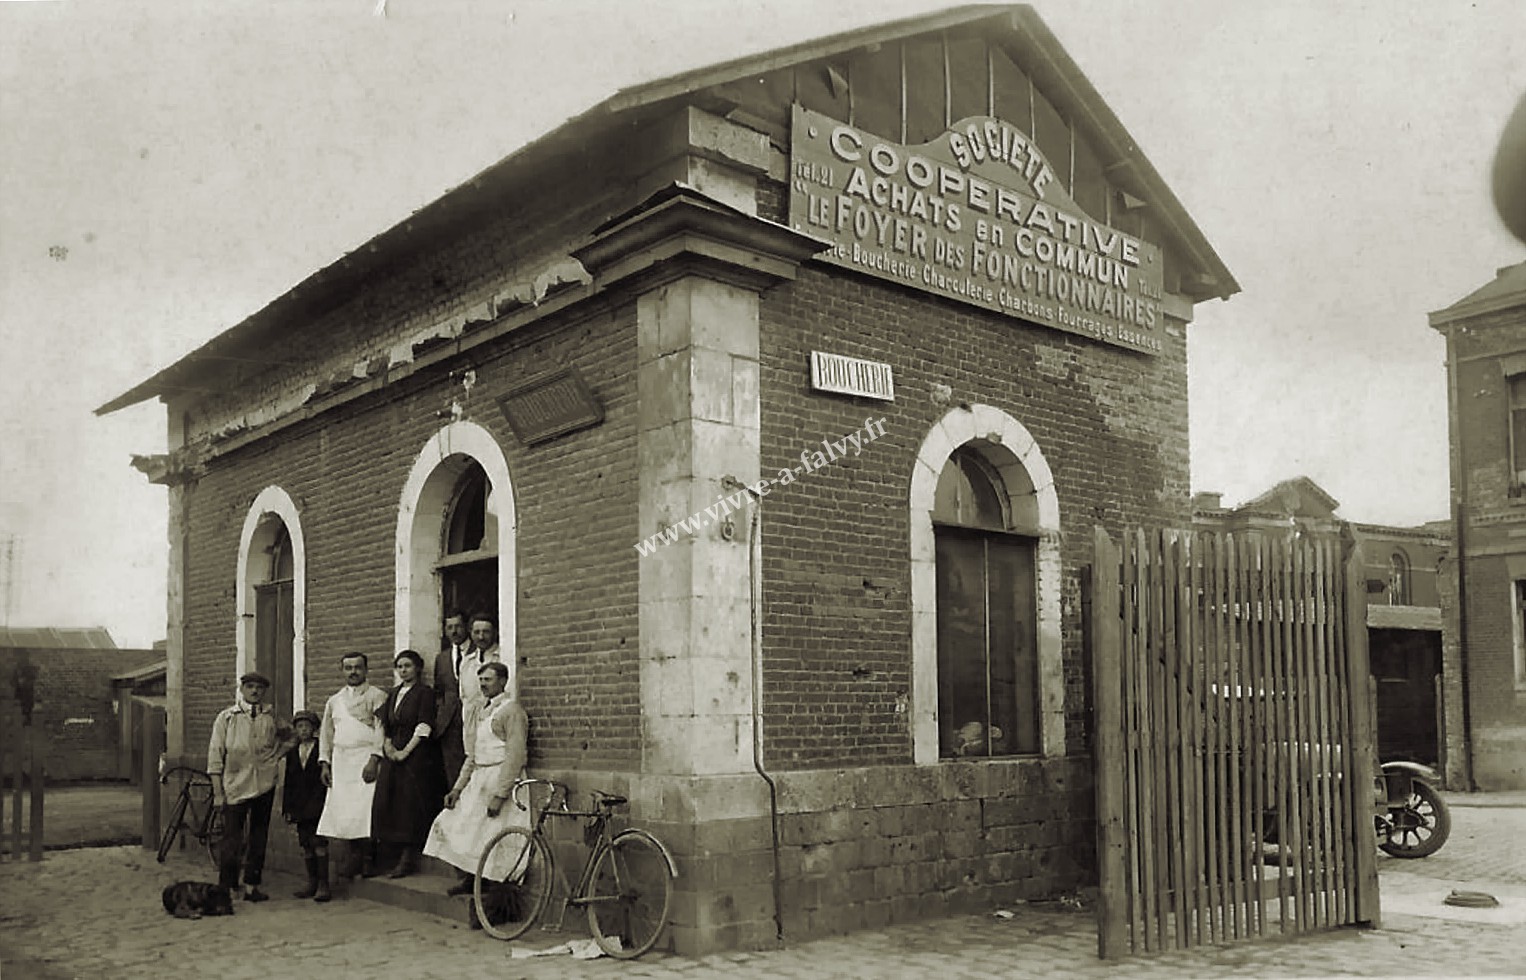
{"points": [[92, 913]]}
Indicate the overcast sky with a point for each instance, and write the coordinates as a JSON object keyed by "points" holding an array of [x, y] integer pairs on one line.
{"points": [[168, 168]]}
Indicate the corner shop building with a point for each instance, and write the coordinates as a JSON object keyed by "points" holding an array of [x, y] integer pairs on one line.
{"points": [[913, 285]]}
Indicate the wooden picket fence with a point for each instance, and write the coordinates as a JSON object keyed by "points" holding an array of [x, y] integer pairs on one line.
{"points": [[1234, 739], [23, 768]]}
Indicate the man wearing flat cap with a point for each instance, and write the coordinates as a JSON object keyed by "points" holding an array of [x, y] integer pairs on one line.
{"points": [[242, 759]]}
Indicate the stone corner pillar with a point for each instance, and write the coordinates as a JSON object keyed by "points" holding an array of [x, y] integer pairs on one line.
{"points": [[696, 268]]}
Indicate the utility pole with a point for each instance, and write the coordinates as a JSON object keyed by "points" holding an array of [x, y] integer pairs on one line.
{"points": [[7, 577]]}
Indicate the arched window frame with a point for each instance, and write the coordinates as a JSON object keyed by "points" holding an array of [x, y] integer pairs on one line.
{"points": [[1032, 508], [272, 509], [424, 510], [1399, 581]]}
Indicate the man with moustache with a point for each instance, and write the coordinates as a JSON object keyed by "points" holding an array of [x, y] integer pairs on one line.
{"points": [[447, 691], [350, 753]]}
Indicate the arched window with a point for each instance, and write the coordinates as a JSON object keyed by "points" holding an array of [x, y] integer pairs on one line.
{"points": [[271, 598], [468, 564], [988, 676], [455, 539], [967, 493], [1398, 579]]}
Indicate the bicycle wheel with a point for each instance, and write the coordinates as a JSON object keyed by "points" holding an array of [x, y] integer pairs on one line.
{"points": [[212, 834], [172, 828], [629, 895], [512, 883]]}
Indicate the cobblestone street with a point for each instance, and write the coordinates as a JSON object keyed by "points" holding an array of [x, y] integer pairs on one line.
{"points": [[93, 913]]}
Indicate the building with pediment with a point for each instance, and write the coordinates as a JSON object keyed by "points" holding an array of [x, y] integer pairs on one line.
{"points": [[1417, 691], [771, 407]]}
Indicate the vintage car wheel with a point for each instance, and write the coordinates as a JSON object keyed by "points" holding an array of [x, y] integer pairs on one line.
{"points": [[1419, 827]]}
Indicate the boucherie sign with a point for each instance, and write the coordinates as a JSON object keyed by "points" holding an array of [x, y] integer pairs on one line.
{"points": [[977, 215]]}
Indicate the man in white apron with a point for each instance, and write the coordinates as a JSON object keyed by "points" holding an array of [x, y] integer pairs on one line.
{"points": [[350, 752], [478, 806]]}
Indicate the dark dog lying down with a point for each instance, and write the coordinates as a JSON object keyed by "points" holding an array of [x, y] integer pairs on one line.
{"points": [[194, 899]]}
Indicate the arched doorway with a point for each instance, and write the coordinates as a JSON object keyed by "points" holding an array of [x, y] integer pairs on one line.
{"points": [[455, 539], [987, 667], [988, 679], [271, 596]]}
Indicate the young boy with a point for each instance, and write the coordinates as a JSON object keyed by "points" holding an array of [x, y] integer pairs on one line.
{"points": [[302, 804]]}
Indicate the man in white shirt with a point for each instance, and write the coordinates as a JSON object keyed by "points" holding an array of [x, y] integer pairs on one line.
{"points": [[484, 633], [350, 752], [479, 806]]}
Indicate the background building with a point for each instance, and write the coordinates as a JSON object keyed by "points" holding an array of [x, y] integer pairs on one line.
{"points": [[71, 686], [1404, 615], [1486, 396]]}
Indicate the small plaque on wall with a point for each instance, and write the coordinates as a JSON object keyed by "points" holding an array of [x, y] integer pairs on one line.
{"points": [[851, 376], [549, 405]]}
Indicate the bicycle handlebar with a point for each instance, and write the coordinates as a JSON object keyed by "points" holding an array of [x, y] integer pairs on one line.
{"points": [[600, 798]]}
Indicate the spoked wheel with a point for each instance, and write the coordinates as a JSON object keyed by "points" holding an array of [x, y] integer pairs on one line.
{"points": [[214, 839], [629, 896], [1419, 827], [512, 883]]}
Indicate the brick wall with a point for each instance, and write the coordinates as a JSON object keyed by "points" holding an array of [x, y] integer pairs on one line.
{"points": [[345, 470], [74, 706], [1111, 424], [1496, 517]]}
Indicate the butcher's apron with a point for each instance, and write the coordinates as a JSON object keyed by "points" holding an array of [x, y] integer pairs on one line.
{"points": [[347, 811], [458, 835]]}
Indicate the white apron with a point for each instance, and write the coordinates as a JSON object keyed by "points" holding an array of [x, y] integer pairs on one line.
{"points": [[347, 810], [458, 835]]}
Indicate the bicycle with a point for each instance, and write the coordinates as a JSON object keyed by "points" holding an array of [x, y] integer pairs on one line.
{"points": [[193, 812], [625, 887]]}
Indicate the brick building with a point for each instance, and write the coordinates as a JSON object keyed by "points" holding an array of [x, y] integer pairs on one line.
{"points": [[1486, 396], [914, 285], [64, 683], [1403, 567]]}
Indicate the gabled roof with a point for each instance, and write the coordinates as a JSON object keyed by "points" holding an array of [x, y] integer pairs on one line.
{"points": [[1050, 66], [54, 638], [1507, 289], [1291, 497]]}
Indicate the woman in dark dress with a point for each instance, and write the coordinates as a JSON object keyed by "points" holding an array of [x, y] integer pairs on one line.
{"points": [[410, 787]]}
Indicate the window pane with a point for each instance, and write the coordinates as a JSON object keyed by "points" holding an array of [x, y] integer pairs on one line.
{"points": [[962, 691], [984, 505], [1013, 648], [468, 513]]}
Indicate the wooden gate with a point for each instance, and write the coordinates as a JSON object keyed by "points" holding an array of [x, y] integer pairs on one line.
{"points": [[1233, 739]]}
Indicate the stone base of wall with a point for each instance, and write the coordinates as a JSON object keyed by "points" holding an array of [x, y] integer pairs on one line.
{"points": [[860, 848]]}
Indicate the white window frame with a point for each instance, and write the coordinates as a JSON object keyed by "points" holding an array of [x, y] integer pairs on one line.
{"points": [[1034, 508]]}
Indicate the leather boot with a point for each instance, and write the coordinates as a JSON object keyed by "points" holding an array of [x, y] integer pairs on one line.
{"points": [[407, 863], [368, 868], [321, 868], [311, 888]]}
